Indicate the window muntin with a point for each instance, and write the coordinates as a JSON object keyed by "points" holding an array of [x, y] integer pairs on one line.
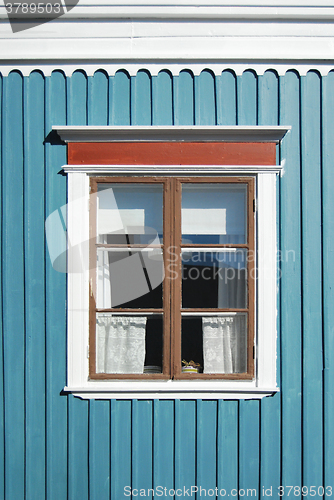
{"points": [[229, 240]]}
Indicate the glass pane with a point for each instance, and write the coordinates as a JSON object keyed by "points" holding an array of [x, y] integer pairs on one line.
{"points": [[214, 279], [214, 344], [129, 213], [214, 213], [129, 278], [128, 344]]}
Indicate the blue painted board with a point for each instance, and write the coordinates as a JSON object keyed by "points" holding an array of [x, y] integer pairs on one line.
{"points": [[206, 450], [312, 275], [247, 98], [226, 98], [119, 99], [185, 447], [78, 449], [184, 110], [227, 447], [55, 301], [141, 98], [13, 287], [77, 99], [98, 94], [34, 256], [205, 98], [163, 444], [249, 447], [162, 99], [99, 450], [290, 237], [142, 442], [270, 472], [120, 448], [328, 273]]}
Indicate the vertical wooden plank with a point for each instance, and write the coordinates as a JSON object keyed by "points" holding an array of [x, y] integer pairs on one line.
{"points": [[206, 453], [98, 98], [205, 98], [311, 280], [270, 407], [249, 448], [184, 112], [120, 445], [163, 444], [99, 450], [77, 98], [34, 283], [141, 98], [13, 287], [162, 98], [227, 448], [291, 283], [119, 99], [99, 411], [2, 394], [142, 442], [226, 98], [185, 446], [328, 274], [249, 418], [77, 408], [247, 107], [55, 301]]}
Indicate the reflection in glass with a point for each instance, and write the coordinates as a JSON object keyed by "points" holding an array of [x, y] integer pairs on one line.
{"points": [[214, 213], [128, 344], [214, 279], [129, 278], [125, 210]]}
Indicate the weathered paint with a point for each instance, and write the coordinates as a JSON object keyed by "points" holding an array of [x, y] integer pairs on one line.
{"points": [[56, 447]]}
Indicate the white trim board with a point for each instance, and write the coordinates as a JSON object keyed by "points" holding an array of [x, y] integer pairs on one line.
{"points": [[172, 169], [154, 68], [172, 133]]}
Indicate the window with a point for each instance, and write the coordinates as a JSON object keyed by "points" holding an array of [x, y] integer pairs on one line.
{"points": [[172, 269], [172, 277]]}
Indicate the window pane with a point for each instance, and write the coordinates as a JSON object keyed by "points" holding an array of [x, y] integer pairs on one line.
{"points": [[214, 278], [129, 278], [129, 213], [215, 344], [214, 213], [128, 344]]}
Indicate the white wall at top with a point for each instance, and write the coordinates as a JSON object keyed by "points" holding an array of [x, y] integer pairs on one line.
{"points": [[110, 33]]}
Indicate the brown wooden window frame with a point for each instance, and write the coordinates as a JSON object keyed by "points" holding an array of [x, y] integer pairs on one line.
{"points": [[172, 309]]}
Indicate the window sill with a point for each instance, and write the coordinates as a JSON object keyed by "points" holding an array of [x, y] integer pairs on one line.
{"points": [[171, 390]]}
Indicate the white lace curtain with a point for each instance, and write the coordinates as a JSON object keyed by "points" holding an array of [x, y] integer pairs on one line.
{"points": [[120, 344], [225, 344]]}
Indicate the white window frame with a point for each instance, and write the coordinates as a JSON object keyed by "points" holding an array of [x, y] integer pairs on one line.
{"points": [[264, 383]]}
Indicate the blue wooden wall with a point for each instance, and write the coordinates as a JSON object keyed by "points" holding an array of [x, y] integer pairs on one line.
{"points": [[58, 447]]}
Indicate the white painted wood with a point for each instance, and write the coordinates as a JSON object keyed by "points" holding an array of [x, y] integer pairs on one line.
{"points": [[172, 169], [192, 391], [266, 282], [78, 282], [47, 66], [173, 133], [189, 49]]}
